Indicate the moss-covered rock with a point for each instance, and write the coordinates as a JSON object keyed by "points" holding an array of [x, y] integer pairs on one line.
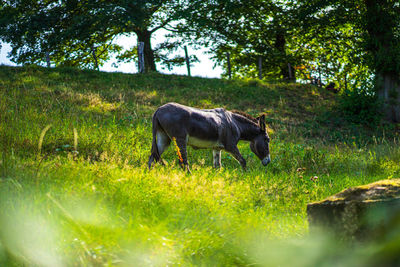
{"points": [[362, 212]]}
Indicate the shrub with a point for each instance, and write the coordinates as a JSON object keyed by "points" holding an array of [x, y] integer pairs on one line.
{"points": [[360, 106]]}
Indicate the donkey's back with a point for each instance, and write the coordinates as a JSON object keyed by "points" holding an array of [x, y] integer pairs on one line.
{"points": [[178, 121]]}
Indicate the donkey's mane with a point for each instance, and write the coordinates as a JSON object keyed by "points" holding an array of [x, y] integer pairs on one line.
{"points": [[247, 116]]}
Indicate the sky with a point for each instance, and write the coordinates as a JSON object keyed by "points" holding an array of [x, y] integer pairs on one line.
{"points": [[202, 69]]}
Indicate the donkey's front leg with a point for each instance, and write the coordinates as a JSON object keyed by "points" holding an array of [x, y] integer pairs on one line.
{"points": [[217, 158], [181, 143], [236, 154]]}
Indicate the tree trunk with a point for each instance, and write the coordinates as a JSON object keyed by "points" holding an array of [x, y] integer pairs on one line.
{"points": [[140, 51], [259, 65], [280, 45], [228, 58], [145, 37], [389, 92], [380, 26], [187, 61]]}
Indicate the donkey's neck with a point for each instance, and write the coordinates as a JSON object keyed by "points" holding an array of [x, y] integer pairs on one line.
{"points": [[248, 129]]}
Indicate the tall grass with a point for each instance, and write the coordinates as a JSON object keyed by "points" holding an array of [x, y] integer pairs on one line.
{"points": [[79, 193]]}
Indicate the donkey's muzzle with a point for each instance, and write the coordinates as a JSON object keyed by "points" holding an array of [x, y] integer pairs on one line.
{"points": [[266, 160]]}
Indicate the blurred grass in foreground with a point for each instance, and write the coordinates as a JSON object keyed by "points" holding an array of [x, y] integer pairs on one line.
{"points": [[74, 189]]}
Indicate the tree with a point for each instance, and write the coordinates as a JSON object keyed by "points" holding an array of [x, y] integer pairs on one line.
{"points": [[74, 31], [247, 30], [382, 39], [62, 30], [375, 42]]}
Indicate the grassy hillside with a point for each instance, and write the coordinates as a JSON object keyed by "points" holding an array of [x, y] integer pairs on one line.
{"points": [[74, 188]]}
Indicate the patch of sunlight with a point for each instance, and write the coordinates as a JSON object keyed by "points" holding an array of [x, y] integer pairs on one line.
{"points": [[158, 255], [28, 82], [30, 238], [29, 79], [270, 130], [94, 102], [89, 212], [269, 111], [219, 186], [390, 166], [206, 103], [315, 92], [144, 97]]}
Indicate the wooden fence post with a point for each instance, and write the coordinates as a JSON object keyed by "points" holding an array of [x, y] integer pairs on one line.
{"points": [[141, 57], [48, 59], [229, 65], [96, 64], [260, 67], [187, 60], [320, 77], [290, 72]]}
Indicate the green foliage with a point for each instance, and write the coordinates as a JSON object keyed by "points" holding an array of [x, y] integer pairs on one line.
{"points": [[346, 42], [361, 106], [246, 30], [362, 39], [79, 33], [39, 29], [381, 23]]}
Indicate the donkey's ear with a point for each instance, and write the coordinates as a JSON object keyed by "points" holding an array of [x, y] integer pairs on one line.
{"points": [[261, 122], [261, 118]]}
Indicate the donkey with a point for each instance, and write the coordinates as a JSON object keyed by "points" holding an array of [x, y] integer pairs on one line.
{"points": [[218, 129]]}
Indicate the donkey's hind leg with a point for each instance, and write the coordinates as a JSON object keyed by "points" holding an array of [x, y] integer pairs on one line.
{"points": [[160, 144], [181, 143], [163, 142]]}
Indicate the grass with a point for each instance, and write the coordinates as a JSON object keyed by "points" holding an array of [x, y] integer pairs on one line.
{"points": [[74, 188]]}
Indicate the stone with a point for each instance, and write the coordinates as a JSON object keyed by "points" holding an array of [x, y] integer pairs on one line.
{"points": [[362, 212]]}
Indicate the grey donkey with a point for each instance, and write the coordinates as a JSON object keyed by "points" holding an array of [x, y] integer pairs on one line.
{"points": [[217, 129]]}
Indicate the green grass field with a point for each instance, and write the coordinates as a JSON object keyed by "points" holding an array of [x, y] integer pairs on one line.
{"points": [[75, 190]]}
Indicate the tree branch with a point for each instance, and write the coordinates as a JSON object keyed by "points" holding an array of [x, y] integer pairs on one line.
{"points": [[165, 23]]}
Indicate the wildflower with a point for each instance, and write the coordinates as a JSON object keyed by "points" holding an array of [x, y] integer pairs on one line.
{"points": [[314, 179], [301, 169]]}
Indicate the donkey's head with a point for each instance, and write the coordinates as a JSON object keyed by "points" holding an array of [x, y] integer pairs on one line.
{"points": [[260, 144]]}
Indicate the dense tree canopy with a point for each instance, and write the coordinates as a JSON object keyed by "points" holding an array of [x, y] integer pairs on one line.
{"points": [[82, 32], [63, 30], [246, 30], [355, 44], [366, 43]]}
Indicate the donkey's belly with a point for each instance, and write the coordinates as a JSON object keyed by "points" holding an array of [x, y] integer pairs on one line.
{"points": [[199, 143]]}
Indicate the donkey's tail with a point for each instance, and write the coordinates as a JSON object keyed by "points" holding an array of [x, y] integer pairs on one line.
{"points": [[155, 155]]}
